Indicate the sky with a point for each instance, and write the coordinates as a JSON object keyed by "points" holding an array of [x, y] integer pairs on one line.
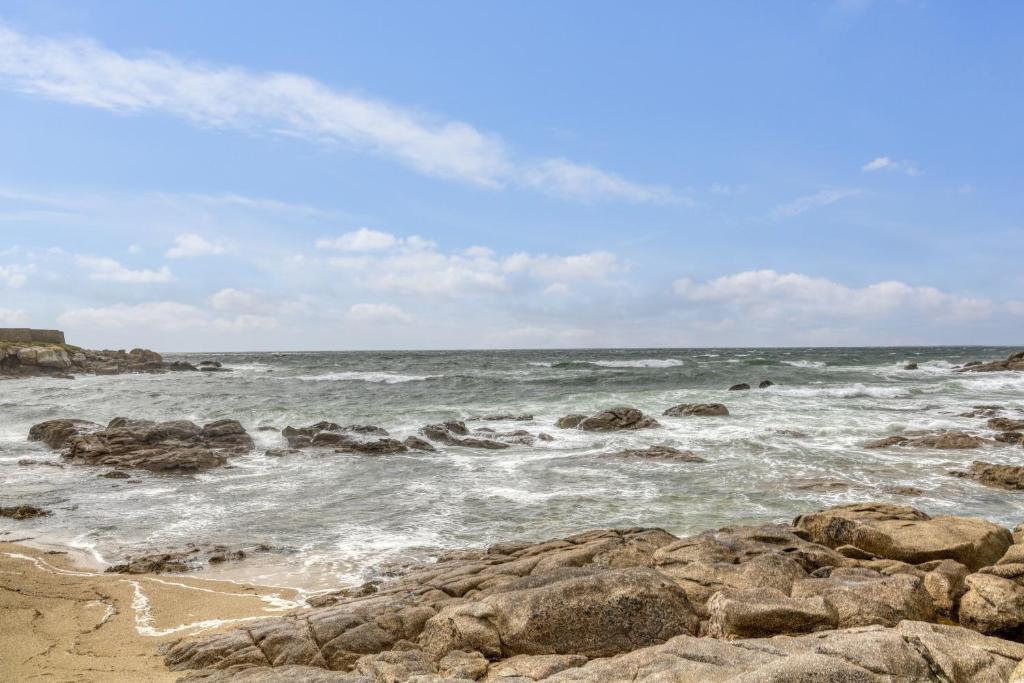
{"points": [[407, 175]]}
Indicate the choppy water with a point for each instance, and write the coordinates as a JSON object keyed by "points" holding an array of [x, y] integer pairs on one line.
{"points": [[337, 517]]}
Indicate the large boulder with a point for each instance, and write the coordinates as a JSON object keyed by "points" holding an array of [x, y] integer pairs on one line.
{"points": [[998, 476], [176, 446], [54, 433], [903, 533], [701, 409], [596, 614], [911, 651], [613, 419], [994, 604]]}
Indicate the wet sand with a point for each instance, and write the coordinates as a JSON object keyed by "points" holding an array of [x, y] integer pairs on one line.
{"points": [[62, 620]]}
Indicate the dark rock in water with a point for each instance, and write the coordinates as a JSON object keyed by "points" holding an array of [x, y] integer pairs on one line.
{"points": [[1011, 437], [214, 368], [613, 419], [983, 411], [910, 366], [281, 452], [1005, 424], [415, 443], [998, 476], [55, 432], [904, 490], [545, 437], [1015, 361], [115, 474], [702, 409], [740, 387], [181, 366], [23, 512], [27, 462], [185, 559], [378, 447], [765, 383], [971, 363], [820, 485], [941, 440], [177, 446], [454, 433], [661, 453], [327, 434], [499, 418], [210, 363], [267, 428]]}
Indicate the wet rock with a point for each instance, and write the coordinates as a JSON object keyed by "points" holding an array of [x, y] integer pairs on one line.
{"points": [[940, 440], [180, 560], [454, 433], [596, 614], [661, 453], [181, 366], [178, 446], [910, 366], [765, 383], [545, 437], [983, 411], [570, 421], [500, 417], [903, 490], [328, 434], [1005, 424], [210, 364], [115, 474], [702, 409], [742, 386], [54, 433], [214, 368], [267, 428], [281, 452], [1014, 438], [613, 419], [415, 443], [820, 485], [998, 476], [23, 512], [1015, 361], [903, 533], [28, 462], [376, 447]]}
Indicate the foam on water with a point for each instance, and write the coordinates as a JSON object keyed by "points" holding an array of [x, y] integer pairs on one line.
{"points": [[336, 519]]}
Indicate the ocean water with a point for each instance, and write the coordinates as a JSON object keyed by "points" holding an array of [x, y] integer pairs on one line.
{"points": [[335, 519]]}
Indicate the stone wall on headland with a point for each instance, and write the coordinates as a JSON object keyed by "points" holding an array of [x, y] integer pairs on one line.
{"points": [[25, 334]]}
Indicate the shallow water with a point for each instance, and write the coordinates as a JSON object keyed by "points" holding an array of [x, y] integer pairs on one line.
{"points": [[336, 519]]}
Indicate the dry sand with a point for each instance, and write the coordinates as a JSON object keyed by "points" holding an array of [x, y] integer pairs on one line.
{"points": [[61, 620]]}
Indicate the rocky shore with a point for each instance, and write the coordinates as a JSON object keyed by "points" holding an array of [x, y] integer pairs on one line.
{"points": [[869, 592], [40, 359]]}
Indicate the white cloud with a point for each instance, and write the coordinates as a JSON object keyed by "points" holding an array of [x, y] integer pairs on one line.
{"points": [[769, 294], [564, 178], [109, 270], [595, 265], [886, 164], [81, 71], [818, 199], [15, 275], [378, 313], [164, 316], [556, 289], [191, 244], [362, 239], [231, 299], [13, 316]]}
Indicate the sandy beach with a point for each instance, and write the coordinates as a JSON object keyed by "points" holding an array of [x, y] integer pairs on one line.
{"points": [[64, 620]]}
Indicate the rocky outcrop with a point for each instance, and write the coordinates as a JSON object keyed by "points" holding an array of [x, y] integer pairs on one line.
{"points": [[660, 453], [178, 446], [1015, 361], [941, 440], [903, 533], [455, 433], [910, 366], [742, 386], [55, 433], [998, 476], [864, 584], [23, 512], [1005, 424], [701, 409], [613, 419], [188, 558], [63, 360], [347, 439]]}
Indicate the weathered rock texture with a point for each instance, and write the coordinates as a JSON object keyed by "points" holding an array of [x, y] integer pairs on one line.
{"points": [[940, 440], [30, 359], [702, 409], [613, 419], [998, 476], [1015, 361], [178, 446], [853, 593]]}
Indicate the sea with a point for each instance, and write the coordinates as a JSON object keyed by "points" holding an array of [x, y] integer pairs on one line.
{"points": [[334, 520]]}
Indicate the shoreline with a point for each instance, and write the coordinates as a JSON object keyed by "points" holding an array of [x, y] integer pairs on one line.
{"points": [[65, 621]]}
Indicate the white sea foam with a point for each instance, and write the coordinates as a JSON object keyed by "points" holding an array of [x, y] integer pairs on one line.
{"points": [[365, 376], [805, 363], [841, 391], [644, 363]]}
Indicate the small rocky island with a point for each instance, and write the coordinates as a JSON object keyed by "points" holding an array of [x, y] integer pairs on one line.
{"points": [[28, 352]]}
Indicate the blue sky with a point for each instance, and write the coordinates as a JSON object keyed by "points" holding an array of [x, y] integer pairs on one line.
{"points": [[480, 175]]}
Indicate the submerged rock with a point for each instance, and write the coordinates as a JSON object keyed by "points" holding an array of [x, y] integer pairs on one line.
{"points": [[702, 409], [941, 440], [999, 476], [661, 453], [765, 383], [1005, 424], [454, 433], [743, 386], [23, 512], [910, 366], [188, 558]]}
